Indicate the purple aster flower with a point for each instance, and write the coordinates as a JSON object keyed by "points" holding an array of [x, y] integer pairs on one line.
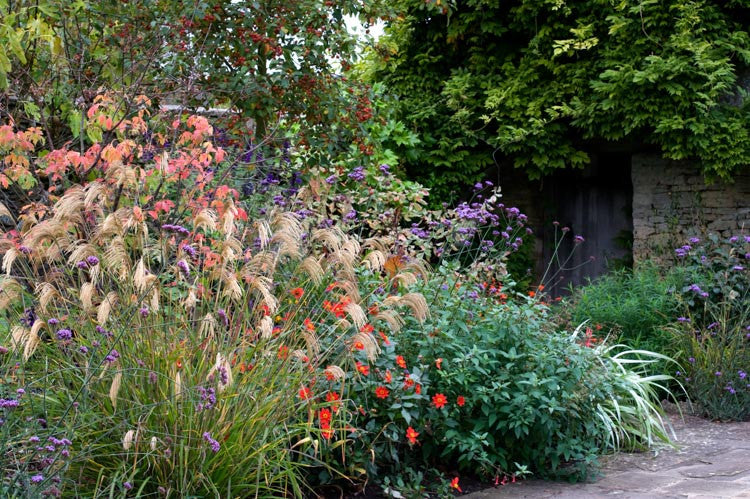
{"points": [[8, 403], [717, 373], [189, 250], [82, 265], [331, 179], [694, 240], [385, 169], [37, 479], [53, 322], [578, 239], [112, 356], [127, 485], [351, 215], [144, 311], [20, 391], [738, 267], [83, 349], [478, 186], [733, 239], [92, 260], [34, 439], [742, 374]]}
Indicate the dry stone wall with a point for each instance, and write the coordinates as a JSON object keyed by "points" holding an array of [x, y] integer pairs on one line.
{"points": [[672, 201]]}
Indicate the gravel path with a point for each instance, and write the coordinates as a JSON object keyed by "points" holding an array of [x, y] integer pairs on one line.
{"points": [[711, 460]]}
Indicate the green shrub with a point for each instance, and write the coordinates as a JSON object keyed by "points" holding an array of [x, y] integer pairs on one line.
{"points": [[634, 306]]}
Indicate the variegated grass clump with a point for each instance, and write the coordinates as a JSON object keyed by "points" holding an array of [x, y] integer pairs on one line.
{"points": [[185, 354]]}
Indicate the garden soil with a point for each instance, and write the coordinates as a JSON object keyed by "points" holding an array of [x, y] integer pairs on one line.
{"points": [[710, 460]]}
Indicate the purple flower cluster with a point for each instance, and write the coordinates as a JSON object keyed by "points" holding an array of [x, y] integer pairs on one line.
{"points": [[208, 398], [64, 334], [112, 356], [28, 318], [176, 228], [8, 403], [215, 445], [357, 174]]}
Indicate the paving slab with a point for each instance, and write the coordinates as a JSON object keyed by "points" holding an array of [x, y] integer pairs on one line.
{"points": [[709, 459]]}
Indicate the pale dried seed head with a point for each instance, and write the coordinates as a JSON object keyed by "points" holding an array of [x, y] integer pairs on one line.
{"points": [[105, 307], [191, 299], [95, 193], [391, 318], [18, 336], [232, 287], [357, 314], [333, 237], [371, 347], [312, 343], [121, 174], [140, 276], [128, 438], [266, 327], [262, 263], [8, 258], [418, 305], [70, 206], [115, 388], [208, 326], [374, 260], [300, 355], [80, 251], [47, 230], [420, 268], [335, 372], [116, 257], [10, 290], [288, 244], [262, 285], [227, 219], [350, 289], [313, 269], [343, 324], [86, 295], [352, 246], [154, 443], [32, 341], [112, 225], [264, 233], [405, 278], [154, 303], [177, 385], [288, 222], [206, 218], [231, 248]]}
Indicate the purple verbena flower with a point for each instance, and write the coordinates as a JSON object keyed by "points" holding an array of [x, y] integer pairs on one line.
{"points": [[357, 174], [215, 446], [64, 334]]}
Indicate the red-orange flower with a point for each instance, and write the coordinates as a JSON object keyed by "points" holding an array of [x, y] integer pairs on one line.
{"points": [[460, 401], [439, 363], [363, 368], [388, 377], [305, 393], [384, 338], [367, 328], [381, 392], [358, 345], [309, 324], [418, 389], [325, 415], [439, 400], [283, 352], [400, 362], [411, 435], [297, 293], [454, 484], [333, 398]]}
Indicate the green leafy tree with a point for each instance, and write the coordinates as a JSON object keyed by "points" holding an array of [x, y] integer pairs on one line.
{"points": [[535, 81]]}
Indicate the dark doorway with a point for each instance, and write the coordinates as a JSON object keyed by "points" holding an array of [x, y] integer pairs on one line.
{"points": [[597, 204]]}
